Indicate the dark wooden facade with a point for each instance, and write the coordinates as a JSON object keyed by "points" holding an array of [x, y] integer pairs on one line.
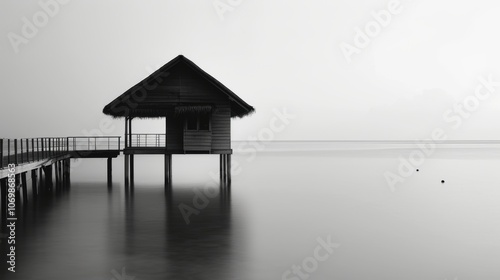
{"points": [[205, 106]]}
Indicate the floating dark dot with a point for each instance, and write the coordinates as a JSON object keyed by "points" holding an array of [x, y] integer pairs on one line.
{"points": [[418, 170], [442, 181]]}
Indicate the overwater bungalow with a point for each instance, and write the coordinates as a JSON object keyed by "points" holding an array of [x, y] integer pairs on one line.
{"points": [[197, 109]]}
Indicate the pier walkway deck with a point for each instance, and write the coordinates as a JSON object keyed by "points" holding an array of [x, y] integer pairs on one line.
{"points": [[33, 153]]}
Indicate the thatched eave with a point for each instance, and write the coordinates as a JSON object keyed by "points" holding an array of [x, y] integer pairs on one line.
{"points": [[126, 105]]}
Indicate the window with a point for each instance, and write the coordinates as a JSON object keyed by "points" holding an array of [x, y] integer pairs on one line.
{"points": [[192, 123], [201, 122]]}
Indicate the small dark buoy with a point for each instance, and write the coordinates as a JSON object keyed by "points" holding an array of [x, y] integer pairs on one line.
{"points": [[442, 181], [418, 170]]}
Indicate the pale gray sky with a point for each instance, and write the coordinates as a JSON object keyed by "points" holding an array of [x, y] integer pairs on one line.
{"points": [[273, 54]]}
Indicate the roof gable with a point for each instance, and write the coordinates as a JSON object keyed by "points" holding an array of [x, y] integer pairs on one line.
{"points": [[135, 102]]}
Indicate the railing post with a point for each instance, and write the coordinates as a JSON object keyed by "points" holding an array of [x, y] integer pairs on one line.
{"points": [[126, 130], [27, 150], [33, 149], [43, 147], [1, 153], [22, 153], [67, 144], [15, 151], [8, 151]]}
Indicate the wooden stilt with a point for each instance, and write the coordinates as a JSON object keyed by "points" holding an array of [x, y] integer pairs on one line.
{"points": [[56, 175], [62, 168], [48, 178], [18, 187], [127, 168], [110, 171], [3, 197], [225, 169], [34, 183], [221, 169], [68, 173], [229, 169], [126, 162], [59, 177], [132, 170], [41, 181], [64, 171], [60, 171], [24, 187], [168, 171]]}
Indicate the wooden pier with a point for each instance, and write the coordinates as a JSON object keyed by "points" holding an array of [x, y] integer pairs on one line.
{"points": [[48, 161]]}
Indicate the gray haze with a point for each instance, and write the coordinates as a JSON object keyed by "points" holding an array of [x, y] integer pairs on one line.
{"points": [[273, 54]]}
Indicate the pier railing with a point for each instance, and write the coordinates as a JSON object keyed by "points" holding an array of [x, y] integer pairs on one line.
{"points": [[96, 143], [25, 150], [147, 140]]}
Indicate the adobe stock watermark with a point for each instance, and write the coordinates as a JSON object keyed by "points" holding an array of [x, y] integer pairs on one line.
{"points": [[280, 120], [31, 26], [223, 6], [309, 265], [363, 37], [455, 117]]}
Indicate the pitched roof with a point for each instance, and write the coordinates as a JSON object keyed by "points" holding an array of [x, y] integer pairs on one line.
{"points": [[121, 106]]}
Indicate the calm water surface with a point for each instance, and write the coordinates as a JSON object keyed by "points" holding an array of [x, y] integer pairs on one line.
{"points": [[280, 206]]}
